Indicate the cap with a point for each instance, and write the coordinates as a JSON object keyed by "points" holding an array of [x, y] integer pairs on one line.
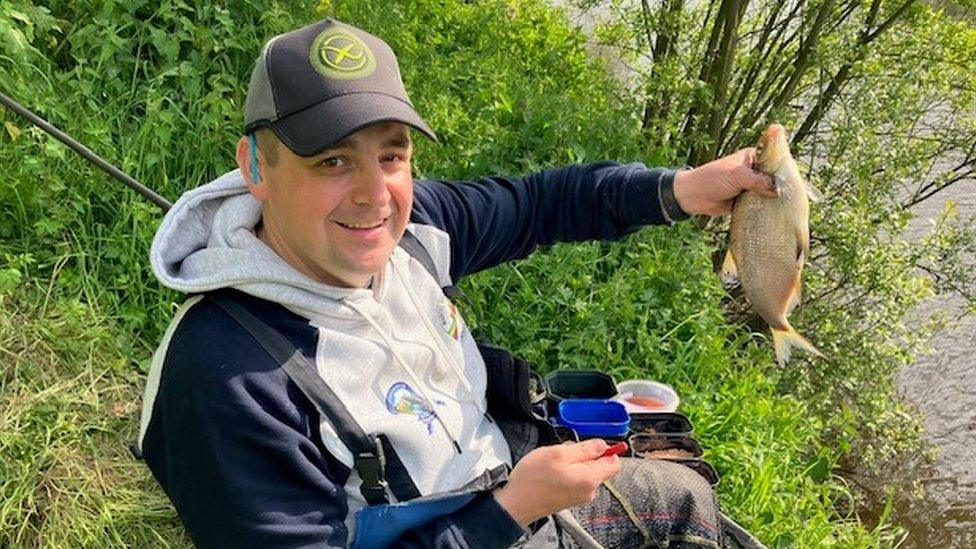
{"points": [[321, 83]]}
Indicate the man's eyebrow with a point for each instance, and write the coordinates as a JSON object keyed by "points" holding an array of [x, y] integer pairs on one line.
{"points": [[400, 140], [341, 144]]}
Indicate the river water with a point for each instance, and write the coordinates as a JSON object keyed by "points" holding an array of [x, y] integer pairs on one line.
{"points": [[941, 386]]}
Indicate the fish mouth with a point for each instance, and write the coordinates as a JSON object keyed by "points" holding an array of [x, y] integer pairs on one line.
{"points": [[776, 130]]}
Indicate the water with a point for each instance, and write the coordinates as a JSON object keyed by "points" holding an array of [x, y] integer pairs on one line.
{"points": [[941, 385]]}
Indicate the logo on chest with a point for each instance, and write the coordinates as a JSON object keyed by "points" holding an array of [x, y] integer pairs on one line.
{"points": [[451, 319], [402, 399]]}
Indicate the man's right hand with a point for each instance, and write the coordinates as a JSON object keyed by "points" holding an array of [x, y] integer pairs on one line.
{"points": [[552, 478]]}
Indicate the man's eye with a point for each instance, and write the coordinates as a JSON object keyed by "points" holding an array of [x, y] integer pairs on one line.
{"points": [[331, 162]]}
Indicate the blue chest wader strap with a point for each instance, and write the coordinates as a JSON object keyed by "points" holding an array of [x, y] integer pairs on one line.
{"points": [[375, 460]]}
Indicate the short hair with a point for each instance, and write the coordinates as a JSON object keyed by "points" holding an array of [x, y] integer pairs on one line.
{"points": [[268, 144]]}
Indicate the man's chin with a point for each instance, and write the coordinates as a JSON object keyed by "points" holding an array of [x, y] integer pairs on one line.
{"points": [[366, 268]]}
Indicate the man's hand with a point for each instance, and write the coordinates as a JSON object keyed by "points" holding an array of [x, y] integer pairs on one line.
{"points": [[553, 478], [711, 189]]}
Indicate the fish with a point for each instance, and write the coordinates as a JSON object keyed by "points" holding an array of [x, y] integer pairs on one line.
{"points": [[769, 240]]}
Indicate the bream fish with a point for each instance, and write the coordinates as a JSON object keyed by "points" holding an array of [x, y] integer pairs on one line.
{"points": [[769, 239]]}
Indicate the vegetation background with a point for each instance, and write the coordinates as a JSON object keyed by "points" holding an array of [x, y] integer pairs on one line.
{"points": [[812, 455]]}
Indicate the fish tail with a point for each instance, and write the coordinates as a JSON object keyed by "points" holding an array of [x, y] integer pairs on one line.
{"points": [[785, 340]]}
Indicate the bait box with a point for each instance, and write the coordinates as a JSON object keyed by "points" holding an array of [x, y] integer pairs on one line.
{"points": [[577, 384], [632, 391], [646, 445], [594, 417], [699, 466], [660, 423]]}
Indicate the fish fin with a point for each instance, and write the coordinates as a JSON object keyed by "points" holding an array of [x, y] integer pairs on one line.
{"points": [[785, 340], [797, 294], [802, 245], [730, 274], [812, 192], [787, 192], [782, 189]]}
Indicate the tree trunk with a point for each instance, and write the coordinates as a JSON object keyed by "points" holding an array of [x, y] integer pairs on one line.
{"points": [[725, 34]]}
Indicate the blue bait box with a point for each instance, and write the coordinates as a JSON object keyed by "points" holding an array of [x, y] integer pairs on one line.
{"points": [[594, 417]]}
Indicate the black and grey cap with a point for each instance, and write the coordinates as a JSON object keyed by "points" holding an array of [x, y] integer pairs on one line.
{"points": [[319, 84]]}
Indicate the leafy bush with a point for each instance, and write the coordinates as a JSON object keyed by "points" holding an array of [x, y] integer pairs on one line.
{"points": [[880, 100], [158, 88]]}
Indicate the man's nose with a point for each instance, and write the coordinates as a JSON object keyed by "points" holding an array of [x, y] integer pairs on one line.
{"points": [[372, 186]]}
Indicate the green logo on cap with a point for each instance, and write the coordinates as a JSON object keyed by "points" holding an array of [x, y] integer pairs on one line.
{"points": [[338, 53]]}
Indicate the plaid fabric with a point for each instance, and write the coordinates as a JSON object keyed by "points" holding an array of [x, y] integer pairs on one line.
{"points": [[653, 503]]}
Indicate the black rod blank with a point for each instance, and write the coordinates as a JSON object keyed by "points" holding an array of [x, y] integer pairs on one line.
{"points": [[86, 153]]}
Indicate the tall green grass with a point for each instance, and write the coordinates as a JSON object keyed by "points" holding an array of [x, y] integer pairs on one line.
{"points": [[68, 410], [508, 86]]}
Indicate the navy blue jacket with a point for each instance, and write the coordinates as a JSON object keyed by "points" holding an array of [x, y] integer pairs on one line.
{"points": [[236, 445]]}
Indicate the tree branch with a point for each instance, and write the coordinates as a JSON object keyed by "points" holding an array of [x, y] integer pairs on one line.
{"points": [[890, 21], [719, 73], [866, 36], [746, 85], [803, 61], [931, 189]]}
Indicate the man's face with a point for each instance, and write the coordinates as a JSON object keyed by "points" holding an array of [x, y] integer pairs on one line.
{"points": [[338, 215]]}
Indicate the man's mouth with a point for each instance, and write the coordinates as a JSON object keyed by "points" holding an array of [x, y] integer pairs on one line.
{"points": [[363, 226]]}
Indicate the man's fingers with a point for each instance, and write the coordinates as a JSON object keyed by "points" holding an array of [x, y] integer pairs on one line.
{"points": [[761, 183], [604, 467], [750, 157], [594, 448], [756, 180], [587, 450]]}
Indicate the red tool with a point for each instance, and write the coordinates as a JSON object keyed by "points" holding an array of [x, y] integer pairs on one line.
{"points": [[614, 449]]}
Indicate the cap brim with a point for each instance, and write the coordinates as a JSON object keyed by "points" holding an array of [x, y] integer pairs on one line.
{"points": [[309, 131]]}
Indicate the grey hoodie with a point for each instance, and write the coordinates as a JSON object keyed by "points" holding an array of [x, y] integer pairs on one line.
{"points": [[232, 442], [389, 346]]}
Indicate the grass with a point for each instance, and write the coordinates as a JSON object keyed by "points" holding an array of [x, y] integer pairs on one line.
{"points": [[80, 313], [69, 408]]}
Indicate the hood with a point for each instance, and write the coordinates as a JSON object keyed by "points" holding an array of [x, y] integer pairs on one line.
{"points": [[207, 241]]}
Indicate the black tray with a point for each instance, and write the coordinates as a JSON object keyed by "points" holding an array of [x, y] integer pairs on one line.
{"points": [[563, 384], [660, 423], [699, 466], [652, 446]]}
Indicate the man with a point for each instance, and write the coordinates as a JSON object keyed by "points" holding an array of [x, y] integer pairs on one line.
{"points": [[306, 232]]}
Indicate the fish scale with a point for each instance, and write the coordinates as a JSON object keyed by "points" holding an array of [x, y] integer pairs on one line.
{"points": [[764, 249], [768, 242]]}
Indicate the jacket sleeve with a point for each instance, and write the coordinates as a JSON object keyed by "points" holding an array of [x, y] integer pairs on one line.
{"points": [[236, 447], [498, 219]]}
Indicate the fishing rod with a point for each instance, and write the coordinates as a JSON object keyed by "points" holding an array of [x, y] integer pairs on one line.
{"points": [[87, 153]]}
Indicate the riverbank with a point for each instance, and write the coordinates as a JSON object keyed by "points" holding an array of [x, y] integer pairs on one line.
{"points": [[509, 88], [940, 386]]}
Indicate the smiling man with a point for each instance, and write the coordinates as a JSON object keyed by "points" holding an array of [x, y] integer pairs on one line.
{"points": [[318, 371], [337, 216]]}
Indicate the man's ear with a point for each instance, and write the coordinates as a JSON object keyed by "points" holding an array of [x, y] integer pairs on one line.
{"points": [[244, 151]]}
